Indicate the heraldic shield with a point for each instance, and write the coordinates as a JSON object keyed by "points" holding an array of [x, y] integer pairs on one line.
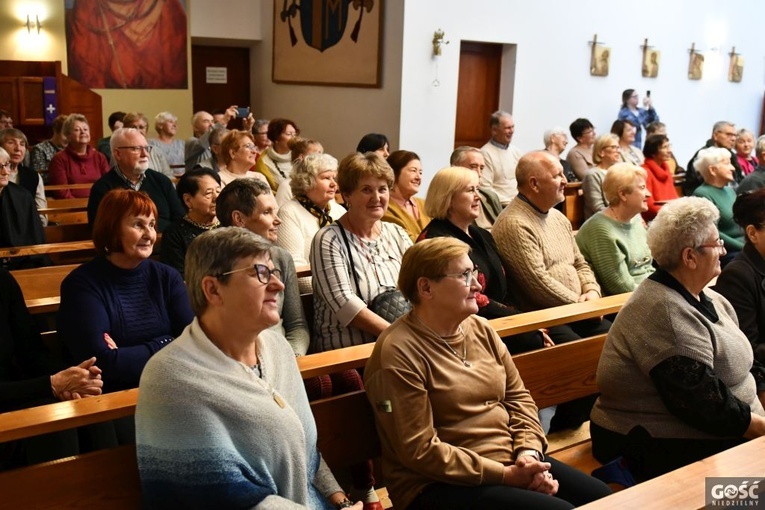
{"points": [[323, 22]]}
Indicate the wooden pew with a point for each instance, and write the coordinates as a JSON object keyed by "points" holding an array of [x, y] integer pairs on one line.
{"points": [[684, 488], [62, 187], [340, 447], [573, 204], [41, 286], [66, 210], [46, 249], [67, 232]]}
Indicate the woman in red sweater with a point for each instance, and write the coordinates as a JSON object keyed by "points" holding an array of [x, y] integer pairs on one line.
{"points": [[660, 182]]}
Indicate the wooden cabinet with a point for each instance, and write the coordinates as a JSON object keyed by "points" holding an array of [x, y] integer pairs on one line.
{"points": [[22, 95]]}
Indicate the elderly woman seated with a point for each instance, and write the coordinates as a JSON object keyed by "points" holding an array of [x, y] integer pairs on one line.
{"points": [[659, 180], [166, 126], [356, 258], [198, 190], [299, 149], [404, 209], [454, 204], [475, 440], [605, 153], [314, 186], [742, 281], [19, 222], [677, 377], [713, 164], [122, 306], [222, 418], [556, 140], [79, 162], [613, 241]]}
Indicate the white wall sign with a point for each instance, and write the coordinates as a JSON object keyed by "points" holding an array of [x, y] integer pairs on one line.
{"points": [[216, 74]]}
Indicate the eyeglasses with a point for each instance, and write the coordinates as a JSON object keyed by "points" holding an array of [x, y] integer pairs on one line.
{"points": [[613, 147], [719, 245], [467, 275], [249, 146], [5, 166], [136, 149], [262, 271], [472, 189]]}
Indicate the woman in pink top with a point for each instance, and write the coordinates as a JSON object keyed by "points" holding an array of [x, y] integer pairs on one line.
{"points": [[79, 163], [744, 146]]}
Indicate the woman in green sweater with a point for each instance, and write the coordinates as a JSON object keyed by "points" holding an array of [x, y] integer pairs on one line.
{"points": [[613, 241], [714, 165]]}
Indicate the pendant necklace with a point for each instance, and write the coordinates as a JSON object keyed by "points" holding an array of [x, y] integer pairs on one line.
{"points": [[462, 358]]}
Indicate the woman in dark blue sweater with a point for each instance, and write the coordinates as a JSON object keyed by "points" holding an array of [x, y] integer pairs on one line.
{"points": [[122, 307]]}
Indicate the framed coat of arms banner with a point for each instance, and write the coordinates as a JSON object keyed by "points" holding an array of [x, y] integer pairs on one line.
{"points": [[328, 42]]}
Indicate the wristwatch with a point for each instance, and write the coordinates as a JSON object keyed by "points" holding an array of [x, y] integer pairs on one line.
{"points": [[530, 453]]}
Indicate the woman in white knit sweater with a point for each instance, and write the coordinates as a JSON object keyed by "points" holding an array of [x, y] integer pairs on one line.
{"points": [[313, 207]]}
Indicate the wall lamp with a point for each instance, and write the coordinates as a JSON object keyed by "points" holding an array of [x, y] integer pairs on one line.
{"points": [[30, 24]]}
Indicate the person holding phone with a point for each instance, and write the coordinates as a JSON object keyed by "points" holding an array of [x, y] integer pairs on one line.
{"points": [[638, 117]]}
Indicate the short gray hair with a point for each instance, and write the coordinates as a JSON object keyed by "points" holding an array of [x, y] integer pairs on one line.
{"points": [[494, 119], [547, 137], [621, 177], [709, 157], [721, 124], [306, 171], [759, 147], [68, 126], [214, 253], [119, 134], [682, 223], [163, 117], [460, 154]]}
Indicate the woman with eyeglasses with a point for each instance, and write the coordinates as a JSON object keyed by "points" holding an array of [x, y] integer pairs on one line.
{"points": [[237, 150], [714, 165], [677, 377], [605, 153], [659, 180], [454, 203], [613, 241], [475, 440], [122, 307], [19, 222], [276, 162], [222, 417], [743, 280]]}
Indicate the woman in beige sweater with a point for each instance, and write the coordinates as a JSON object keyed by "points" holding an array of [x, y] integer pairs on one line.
{"points": [[458, 428]]}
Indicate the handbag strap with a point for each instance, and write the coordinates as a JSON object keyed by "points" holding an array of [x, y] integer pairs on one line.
{"points": [[350, 257]]}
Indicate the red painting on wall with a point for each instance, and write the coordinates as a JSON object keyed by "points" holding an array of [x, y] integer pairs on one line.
{"points": [[127, 44]]}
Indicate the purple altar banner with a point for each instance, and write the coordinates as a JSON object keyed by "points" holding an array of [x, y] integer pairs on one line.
{"points": [[50, 99]]}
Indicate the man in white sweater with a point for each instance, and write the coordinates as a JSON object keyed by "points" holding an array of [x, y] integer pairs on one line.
{"points": [[501, 157]]}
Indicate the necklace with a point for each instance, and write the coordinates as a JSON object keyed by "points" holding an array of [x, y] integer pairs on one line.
{"points": [[258, 370], [203, 226], [462, 358]]}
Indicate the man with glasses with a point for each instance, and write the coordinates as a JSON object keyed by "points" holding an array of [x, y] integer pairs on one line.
{"points": [[723, 135], [130, 152]]}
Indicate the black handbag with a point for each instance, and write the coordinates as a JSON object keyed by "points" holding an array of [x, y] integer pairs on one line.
{"points": [[390, 304]]}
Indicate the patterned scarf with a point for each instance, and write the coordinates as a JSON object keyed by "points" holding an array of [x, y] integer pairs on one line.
{"points": [[321, 214]]}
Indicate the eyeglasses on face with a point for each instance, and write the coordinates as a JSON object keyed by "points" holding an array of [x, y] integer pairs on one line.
{"points": [[136, 149], [472, 189], [467, 275], [719, 245], [5, 166], [262, 271]]}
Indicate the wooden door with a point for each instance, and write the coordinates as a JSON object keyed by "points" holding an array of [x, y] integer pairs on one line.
{"points": [[236, 90], [477, 92]]}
